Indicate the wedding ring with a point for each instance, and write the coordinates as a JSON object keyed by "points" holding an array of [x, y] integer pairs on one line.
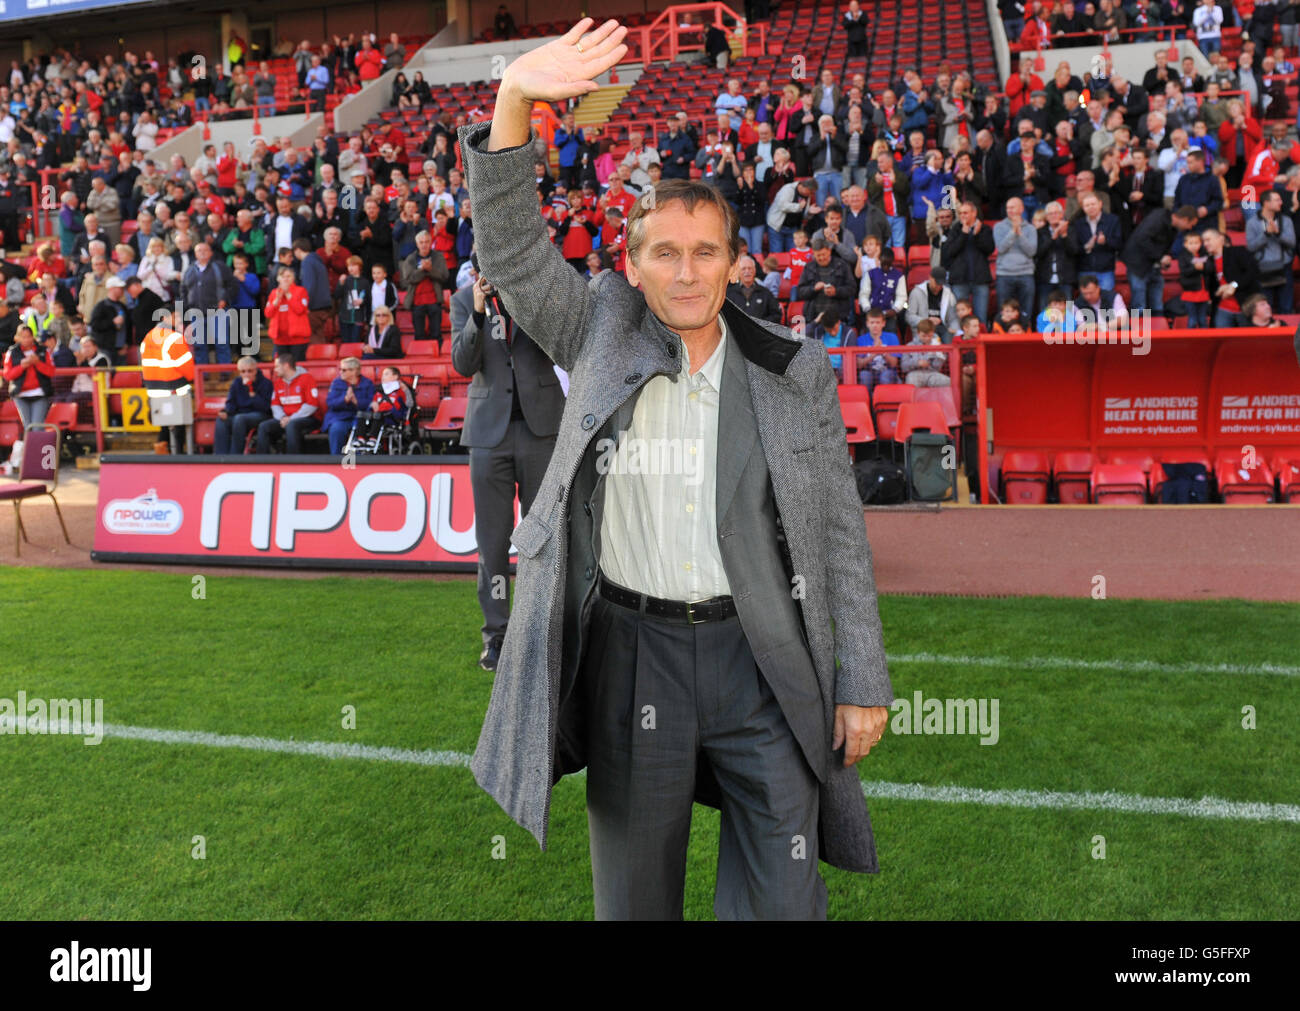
{"points": [[579, 45]]}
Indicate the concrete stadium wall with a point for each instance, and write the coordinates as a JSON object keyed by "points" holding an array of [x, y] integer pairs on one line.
{"points": [[1131, 60], [189, 143]]}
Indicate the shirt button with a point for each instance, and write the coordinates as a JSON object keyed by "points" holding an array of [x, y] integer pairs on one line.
{"points": [[690, 507], [634, 378], [672, 349], [694, 450], [686, 566], [588, 573]]}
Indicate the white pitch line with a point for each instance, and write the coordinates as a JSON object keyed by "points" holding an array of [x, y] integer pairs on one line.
{"points": [[1129, 803], [1206, 807], [1069, 663]]}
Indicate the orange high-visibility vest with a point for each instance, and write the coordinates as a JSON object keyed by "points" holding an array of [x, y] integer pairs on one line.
{"points": [[166, 362]]}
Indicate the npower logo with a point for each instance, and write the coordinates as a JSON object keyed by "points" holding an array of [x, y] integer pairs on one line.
{"points": [[280, 507], [144, 514]]}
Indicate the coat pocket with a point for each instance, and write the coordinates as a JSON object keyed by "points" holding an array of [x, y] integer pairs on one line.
{"points": [[531, 535]]}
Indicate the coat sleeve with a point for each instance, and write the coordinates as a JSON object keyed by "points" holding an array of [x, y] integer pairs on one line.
{"points": [[862, 675], [540, 290]]}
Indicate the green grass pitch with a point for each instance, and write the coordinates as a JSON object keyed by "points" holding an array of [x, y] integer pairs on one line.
{"points": [[107, 831]]}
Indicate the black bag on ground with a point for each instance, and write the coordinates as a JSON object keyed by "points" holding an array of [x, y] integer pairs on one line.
{"points": [[880, 482], [1185, 483], [927, 454]]}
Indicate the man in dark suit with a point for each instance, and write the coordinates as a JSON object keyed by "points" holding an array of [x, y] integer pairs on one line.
{"points": [[855, 29], [1142, 187], [1100, 240], [1129, 98], [1149, 250], [513, 412], [756, 299], [1234, 277]]}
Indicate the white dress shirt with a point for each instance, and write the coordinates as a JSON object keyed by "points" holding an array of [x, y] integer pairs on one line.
{"points": [[659, 530]]}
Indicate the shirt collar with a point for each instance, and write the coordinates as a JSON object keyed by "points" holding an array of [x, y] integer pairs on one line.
{"points": [[711, 370]]}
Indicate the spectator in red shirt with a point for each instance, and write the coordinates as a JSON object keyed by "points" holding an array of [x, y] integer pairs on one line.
{"points": [[29, 371], [424, 273], [444, 239], [370, 63], [613, 237], [46, 261], [575, 232], [286, 311], [295, 406], [618, 196], [228, 166]]}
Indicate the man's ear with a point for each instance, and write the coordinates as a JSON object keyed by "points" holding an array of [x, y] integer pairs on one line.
{"points": [[734, 275], [631, 273]]}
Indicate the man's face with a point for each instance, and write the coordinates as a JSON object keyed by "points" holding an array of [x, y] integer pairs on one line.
{"points": [[747, 272], [967, 215], [202, 253], [1092, 207], [350, 373], [822, 256], [247, 372], [834, 220], [1090, 292], [683, 265]]}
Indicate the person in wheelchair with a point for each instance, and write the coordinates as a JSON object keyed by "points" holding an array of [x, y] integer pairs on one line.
{"points": [[382, 427]]}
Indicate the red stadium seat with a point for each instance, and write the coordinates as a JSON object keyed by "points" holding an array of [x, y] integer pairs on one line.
{"points": [[322, 352], [449, 420], [1118, 484], [1025, 477], [853, 393], [204, 431], [857, 422], [62, 415], [11, 426], [1072, 472], [1240, 484], [353, 349], [941, 395], [422, 349], [885, 400], [1286, 465], [919, 417], [1140, 458]]}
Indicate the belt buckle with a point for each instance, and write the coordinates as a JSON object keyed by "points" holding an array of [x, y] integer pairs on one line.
{"points": [[690, 610]]}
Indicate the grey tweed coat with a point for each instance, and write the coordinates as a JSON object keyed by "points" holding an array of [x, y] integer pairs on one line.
{"points": [[603, 334]]}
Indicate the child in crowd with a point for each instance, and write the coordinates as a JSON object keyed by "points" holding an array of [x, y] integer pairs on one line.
{"points": [[834, 333], [350, 301], [772, 276], [879, 368], [922, 368], [799, 256], [1058, 317], [1008, 314], [884, 288], [1191, 275]]}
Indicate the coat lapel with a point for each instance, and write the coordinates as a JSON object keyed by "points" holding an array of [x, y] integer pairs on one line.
{"points": [[737, 431]]}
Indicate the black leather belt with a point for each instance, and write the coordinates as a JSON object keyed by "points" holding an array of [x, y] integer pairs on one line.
{"points": [[693, 612]]}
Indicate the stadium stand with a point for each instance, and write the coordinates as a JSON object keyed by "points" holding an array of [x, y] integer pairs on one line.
{"points": [[929, 100]]}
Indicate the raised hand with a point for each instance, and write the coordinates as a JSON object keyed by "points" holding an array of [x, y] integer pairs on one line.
{"points": [[562, 69]]}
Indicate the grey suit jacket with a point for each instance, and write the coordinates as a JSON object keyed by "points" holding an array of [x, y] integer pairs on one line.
{"points": [[486, 359], [790, 524]]}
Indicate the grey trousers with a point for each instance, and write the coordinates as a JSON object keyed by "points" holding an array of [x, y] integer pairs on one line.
{"points": [[660, 694], [520, 459]]}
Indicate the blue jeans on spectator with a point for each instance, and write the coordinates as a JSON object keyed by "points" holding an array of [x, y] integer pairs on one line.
{"points": [[218, 339], [780, 242], [854, 175], [1021, 287], [338, 432], [753, 236], [1147, 292], [1198, 314], [1225, 318], [231, 433], [871, 378], [829, 183], [202, 105], [271, 429], [1105, 278], [979, 298], [1044, 290], [32, 410], [1014, 27], [267, 103], [898, 231], [1208, 46]]}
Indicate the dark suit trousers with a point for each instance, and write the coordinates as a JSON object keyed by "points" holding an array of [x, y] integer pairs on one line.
{"points": [[709, 700], [520, 459]]}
